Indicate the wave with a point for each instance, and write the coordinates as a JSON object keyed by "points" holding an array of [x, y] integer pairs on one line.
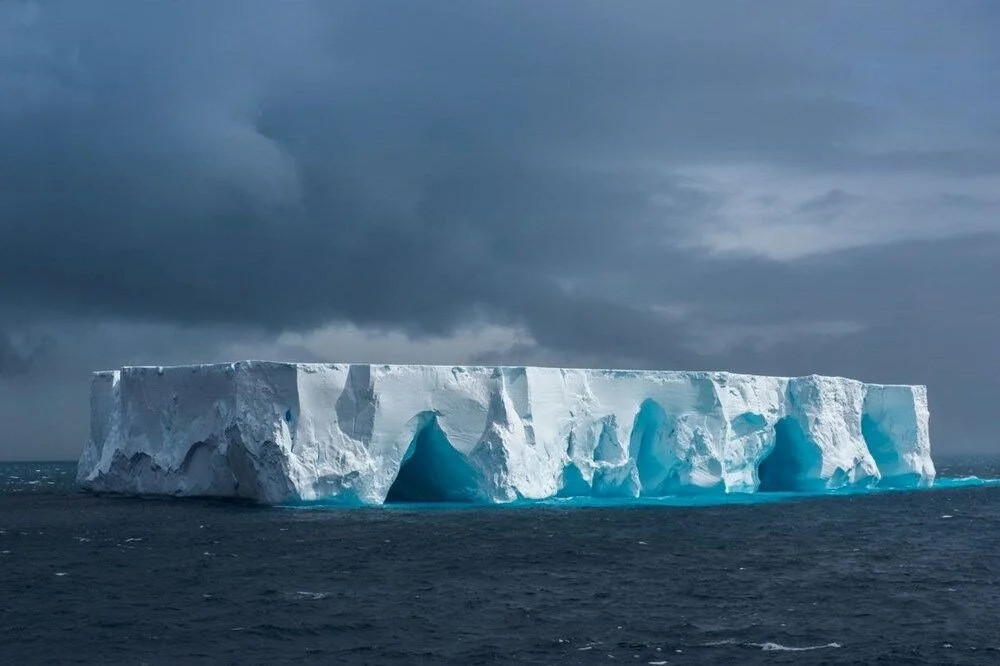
{"points": [[778, 647], [771, 646]]}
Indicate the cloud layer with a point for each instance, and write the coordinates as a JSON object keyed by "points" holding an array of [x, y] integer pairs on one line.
{"points": [[788, 188]]}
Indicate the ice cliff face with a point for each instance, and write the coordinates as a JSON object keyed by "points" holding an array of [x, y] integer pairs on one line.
{"points": [[286, 432]]}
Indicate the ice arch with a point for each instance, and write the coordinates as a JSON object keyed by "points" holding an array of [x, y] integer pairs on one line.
{"points": [[794, 462], [432, 470], [572, 483]]}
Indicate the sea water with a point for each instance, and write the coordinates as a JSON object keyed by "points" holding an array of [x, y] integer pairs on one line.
{"points": [[893, 577]]}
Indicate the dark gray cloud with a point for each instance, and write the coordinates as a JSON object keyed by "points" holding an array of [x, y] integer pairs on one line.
{"points": [[782, 188], [20, 351]]}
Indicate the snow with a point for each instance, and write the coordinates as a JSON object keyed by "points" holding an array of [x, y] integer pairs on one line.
{"points": [[359, 433]]}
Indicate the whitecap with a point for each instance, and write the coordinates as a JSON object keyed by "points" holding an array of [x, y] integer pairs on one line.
{"points": [[305, 594], [778, 647]]}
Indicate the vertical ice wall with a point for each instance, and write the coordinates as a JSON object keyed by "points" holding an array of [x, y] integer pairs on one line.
{"points": [[894, 425], [278, 432]]}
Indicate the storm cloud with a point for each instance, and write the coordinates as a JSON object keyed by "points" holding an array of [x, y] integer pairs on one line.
{"points": [[781, 187]]}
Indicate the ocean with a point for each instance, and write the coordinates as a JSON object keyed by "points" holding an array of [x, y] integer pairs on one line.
{"points": [[902, 577]]}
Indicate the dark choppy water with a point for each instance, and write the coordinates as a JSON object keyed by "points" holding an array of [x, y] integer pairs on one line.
{"points": [[903, 577]]}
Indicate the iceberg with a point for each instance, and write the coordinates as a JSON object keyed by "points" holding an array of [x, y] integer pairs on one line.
{"points": [[369, 434]]}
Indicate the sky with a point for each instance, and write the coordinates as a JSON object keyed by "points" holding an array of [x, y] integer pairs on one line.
{"points": [[772, 187]]}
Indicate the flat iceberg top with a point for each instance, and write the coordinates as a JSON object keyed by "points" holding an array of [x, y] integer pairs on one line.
{"points": [[621, 372], [290, 432]]}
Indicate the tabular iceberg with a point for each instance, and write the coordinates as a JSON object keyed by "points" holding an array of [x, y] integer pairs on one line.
{"points": [[359, 433]]}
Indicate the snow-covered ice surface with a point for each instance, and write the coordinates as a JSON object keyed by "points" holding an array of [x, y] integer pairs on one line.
{"points": [[359, 433]]}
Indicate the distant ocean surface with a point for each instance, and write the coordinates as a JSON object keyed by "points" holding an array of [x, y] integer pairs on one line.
{"points": [[895, 577]]}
